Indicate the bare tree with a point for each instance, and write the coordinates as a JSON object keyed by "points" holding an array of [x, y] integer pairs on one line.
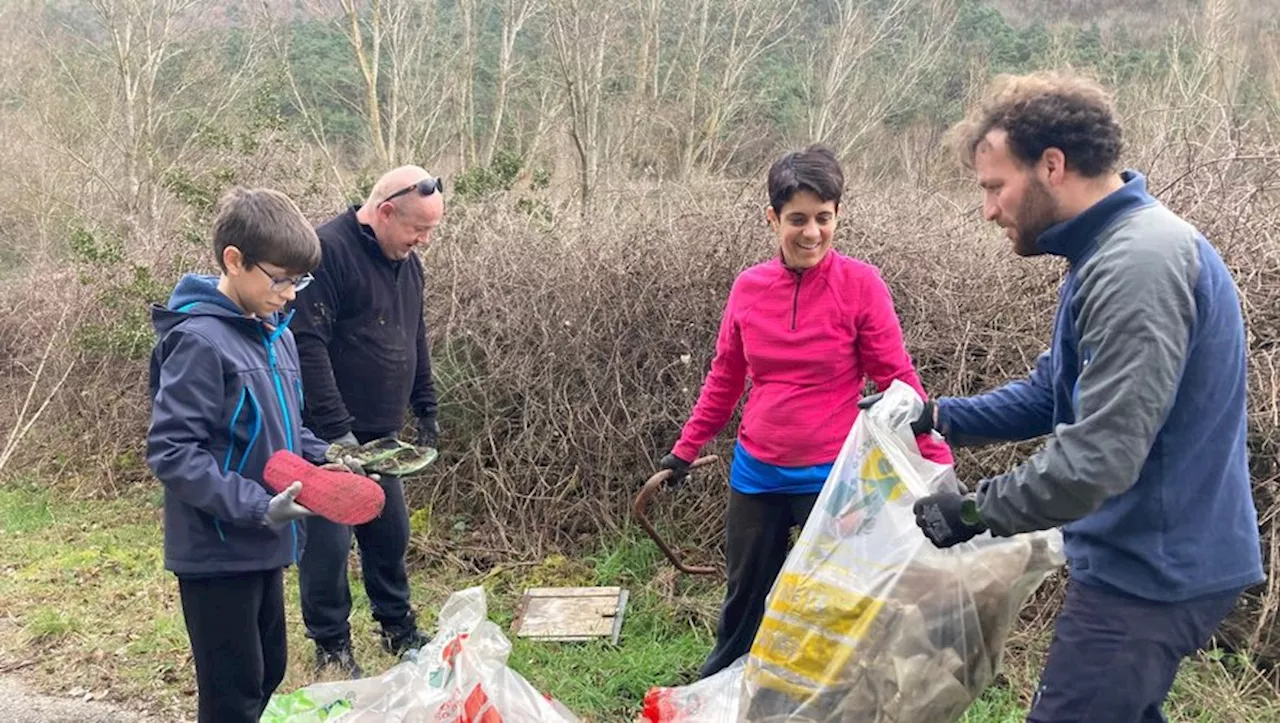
{"points": [[536, 116], [848, 94], [137, 94], [731, 37], [1223, 50], [466, 95], [583, 35], [1189, 114], [416, 107], [279, 39], [26, 416], [368, 56], [404, 96], [516, 14]]}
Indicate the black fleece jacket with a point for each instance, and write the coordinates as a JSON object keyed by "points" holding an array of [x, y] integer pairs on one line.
{"points": [[362, 336]]}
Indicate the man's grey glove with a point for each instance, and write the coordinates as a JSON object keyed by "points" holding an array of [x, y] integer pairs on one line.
{"points": [[428, 432], [283, 509], [346, 440], [925, 423]]}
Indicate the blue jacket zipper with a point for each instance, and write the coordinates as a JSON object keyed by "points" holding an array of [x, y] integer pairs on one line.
{"points": [[269, 342]]}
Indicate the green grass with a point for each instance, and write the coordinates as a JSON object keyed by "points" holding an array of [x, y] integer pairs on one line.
{"points": [[664, 637], [24, 508], [46, 624], [87, 604]]}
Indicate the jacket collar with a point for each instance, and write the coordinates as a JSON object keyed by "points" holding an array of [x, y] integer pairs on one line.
{"points": [[198, 295], [1075, 237], [368, 239], [819, 270]]}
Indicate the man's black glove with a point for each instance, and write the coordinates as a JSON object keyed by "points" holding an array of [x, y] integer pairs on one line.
{"points": [[428, 432], [948, 518], [920, 425], [679, 470]]}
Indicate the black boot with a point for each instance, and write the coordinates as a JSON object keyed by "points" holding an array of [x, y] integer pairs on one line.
{"points": [[339, 655], [398, 640]]}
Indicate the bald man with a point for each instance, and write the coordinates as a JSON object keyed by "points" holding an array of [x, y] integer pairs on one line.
{"points": [[362, 343]]}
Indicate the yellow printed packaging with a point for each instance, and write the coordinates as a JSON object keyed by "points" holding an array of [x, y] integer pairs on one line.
{"points": [[867, 621]]}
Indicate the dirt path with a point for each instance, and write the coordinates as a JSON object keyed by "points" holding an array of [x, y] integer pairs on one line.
{"points": [[18, 704]]}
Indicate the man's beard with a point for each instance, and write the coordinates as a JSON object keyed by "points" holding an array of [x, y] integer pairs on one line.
{"points": [[1036, 214]]}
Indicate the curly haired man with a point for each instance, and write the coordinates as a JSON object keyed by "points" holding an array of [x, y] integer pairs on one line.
{"points": [[1141, 398]]}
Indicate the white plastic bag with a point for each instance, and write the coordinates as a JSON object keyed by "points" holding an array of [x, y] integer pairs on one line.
{"points": [[460, 677], [868, 621], [714, 699]]}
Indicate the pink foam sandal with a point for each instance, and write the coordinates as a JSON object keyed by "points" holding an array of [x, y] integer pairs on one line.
{"points": [[343, 497]]}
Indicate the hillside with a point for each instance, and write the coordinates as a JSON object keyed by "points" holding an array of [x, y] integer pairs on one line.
{"points": [[1141, 20]]}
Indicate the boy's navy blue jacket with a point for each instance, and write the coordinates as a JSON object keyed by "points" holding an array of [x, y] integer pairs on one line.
{"points": [[226, 394], [1143, 392]]}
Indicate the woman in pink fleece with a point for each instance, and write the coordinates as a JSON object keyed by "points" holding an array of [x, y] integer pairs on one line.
{"points": [[808, 327]]}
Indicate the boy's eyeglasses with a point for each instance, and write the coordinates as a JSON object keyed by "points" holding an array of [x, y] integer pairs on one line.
{"points": [[426, 187], [280, 283]]}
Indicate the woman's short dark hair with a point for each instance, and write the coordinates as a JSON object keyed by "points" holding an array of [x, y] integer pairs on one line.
{"points": [[266, 226], [1049, 109], [814, 169]]}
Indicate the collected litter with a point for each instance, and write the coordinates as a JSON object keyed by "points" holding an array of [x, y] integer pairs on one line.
{"points": [[639, 510], [340, 496], [461, 676], [571, 614], [385, 455], [868, 621]]}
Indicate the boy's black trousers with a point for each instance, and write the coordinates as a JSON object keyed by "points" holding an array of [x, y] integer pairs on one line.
{"points": [[237, 628]]}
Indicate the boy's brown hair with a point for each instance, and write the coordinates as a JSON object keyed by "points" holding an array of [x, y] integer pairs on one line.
{"points": [[266, 226]]}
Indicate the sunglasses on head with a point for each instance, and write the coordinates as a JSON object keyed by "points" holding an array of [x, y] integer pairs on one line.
{"points": [[426, 187]]}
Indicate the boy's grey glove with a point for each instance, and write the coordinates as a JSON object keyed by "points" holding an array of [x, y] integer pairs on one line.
{"points": [[283, 509], [923, 424], [349, 464]]}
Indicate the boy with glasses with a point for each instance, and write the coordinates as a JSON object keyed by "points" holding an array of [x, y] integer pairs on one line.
{"points": [[226, 393]]}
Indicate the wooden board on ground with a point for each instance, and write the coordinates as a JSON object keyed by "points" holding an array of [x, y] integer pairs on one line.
{"points": [[571, 614]]}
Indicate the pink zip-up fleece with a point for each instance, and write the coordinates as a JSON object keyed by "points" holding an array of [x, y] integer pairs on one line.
{"points": [[807, 340]]}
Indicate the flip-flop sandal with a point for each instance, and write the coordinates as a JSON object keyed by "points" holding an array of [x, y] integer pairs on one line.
{"points": [[387, 455], [343, 497]]}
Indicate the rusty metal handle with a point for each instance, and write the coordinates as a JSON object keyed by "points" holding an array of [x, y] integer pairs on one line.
{"points": [[651, 487]]}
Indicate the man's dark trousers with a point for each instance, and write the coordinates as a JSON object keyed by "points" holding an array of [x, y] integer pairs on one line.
{"points": [[322, 571], [236, 624], [1113, 657], [757, 537]]}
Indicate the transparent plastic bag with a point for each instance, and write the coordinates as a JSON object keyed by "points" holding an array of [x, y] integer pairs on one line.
{"points": [[868, 621], [461, 676], [714, 699]]}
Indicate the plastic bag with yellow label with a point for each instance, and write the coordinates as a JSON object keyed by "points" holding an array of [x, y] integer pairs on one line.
{"points": [[868, 621]]}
